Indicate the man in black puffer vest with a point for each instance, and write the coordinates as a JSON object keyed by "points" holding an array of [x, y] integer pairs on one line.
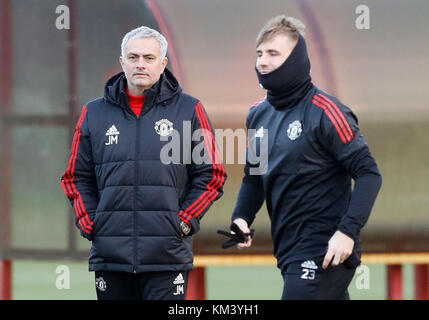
{"points": [[137, 206]]}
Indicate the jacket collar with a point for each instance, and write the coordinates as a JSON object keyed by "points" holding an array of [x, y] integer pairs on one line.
{"points": [[165, 89]]}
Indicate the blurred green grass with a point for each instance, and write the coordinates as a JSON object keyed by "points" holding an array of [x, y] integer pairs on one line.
{"points": [[36, 280]]}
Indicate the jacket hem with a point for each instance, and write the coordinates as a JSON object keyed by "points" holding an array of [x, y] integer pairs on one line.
{"points": [[139, 268]]}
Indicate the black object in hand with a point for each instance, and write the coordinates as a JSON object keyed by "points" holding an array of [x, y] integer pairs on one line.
{"points": [[237, 237]]}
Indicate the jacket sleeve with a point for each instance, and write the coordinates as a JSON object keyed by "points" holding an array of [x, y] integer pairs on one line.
{"points": [[251, 196], [340, 135], [78, 181], [206, 178]]}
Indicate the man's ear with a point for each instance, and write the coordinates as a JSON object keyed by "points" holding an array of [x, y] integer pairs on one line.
{"points": [[121, 61], [164, 63]]}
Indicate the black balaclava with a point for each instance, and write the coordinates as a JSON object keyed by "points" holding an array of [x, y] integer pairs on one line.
{"points": [[290, 82]]}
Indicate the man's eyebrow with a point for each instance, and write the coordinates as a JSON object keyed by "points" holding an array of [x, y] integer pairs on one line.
{"points": [[144, 55], [272, 50], [268, 50]]}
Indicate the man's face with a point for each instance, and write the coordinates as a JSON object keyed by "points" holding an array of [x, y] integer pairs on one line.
{"points": [[142, 63], [271, 53]]}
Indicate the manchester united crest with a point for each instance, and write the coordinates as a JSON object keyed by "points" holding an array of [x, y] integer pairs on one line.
{"points": [[163, 127], [294, 130]]}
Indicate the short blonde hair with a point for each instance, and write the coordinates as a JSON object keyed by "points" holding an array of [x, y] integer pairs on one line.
{"points": [[288, 26]]}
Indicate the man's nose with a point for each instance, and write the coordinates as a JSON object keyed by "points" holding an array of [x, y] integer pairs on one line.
{"points": [[141, 64], [262, 61]]}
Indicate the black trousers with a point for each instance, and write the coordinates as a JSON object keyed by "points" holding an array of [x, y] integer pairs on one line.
{"points": [[306, 280], [141, 286]]}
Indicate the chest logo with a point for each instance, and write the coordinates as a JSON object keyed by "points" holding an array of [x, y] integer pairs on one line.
{"points": [[294, 130], [113, 135], [163, 127]]}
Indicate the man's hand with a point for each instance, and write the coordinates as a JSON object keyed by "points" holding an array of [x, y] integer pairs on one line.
{"points": [[340, 247], [242, 224]]}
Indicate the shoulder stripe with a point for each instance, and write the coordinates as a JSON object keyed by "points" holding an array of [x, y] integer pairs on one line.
{"points": [[333, 117], [349, 130], [257, 103], [328, 113]]}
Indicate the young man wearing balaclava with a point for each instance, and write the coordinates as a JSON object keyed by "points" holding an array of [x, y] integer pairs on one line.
{"points": [[315, 149]]}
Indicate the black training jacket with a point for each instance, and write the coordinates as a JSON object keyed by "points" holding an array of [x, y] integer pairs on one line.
{"points": [[128, 201], [315, 149]]}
